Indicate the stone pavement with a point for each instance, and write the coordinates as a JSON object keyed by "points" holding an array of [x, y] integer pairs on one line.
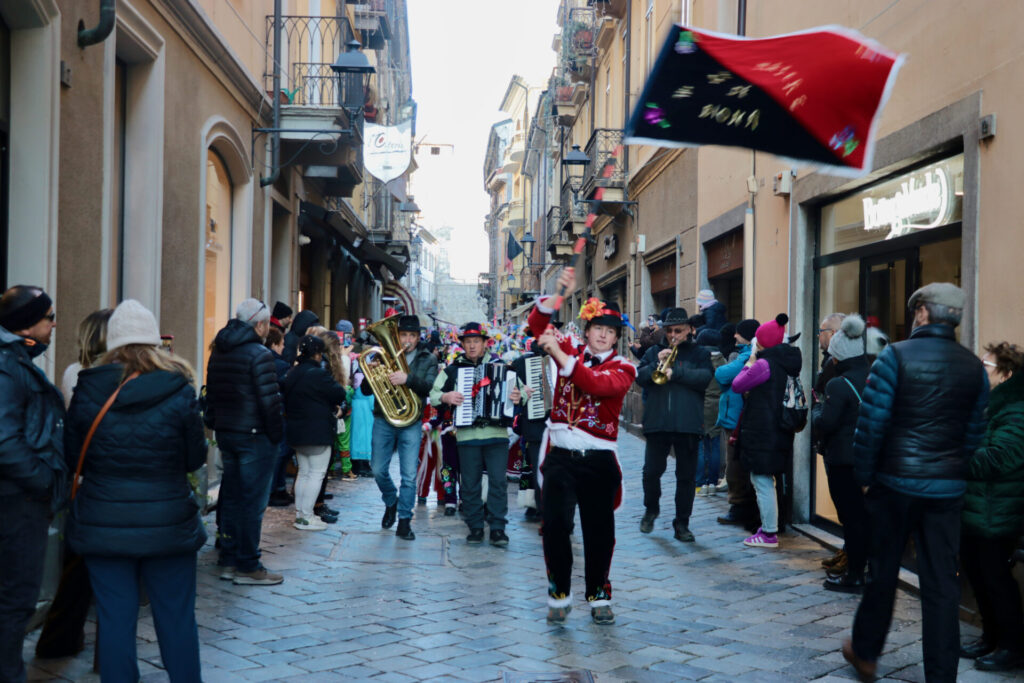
{"points": [[359, 604]]}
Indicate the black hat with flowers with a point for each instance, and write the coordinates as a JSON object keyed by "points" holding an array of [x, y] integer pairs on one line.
{"points": [[597, 312], [472, 330]]}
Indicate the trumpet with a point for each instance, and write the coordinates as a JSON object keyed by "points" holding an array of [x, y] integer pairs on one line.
{"points": [[660, 374]]}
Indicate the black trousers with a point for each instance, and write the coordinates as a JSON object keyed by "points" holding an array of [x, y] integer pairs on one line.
{"points": [[741, 497], [23, 524], [659, 444], [63, 633], [531, 458], [934, 524], [592, 482], [986, 561], [849, 501]]}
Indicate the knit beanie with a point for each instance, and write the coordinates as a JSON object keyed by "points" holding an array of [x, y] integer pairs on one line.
{"points": [[876, 341], [748, 328], [772, 332], [709, 338], [132, 323], [848, 342], [705, 298], [24, 307], [281, 310]]}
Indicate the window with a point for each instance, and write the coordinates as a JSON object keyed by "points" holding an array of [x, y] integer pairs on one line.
{"points": [[649, 38], [217, 297]]}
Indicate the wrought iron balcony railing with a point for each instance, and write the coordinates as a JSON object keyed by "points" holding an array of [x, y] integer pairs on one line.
{"points": [[601, 152], [573, 211], [309, 45]]}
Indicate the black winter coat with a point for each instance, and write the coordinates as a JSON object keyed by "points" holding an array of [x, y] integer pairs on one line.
{"points": [[31, 425], [835, 418], [311, 401], [242, 392], [135, 499], [765, 447], [678, 404], [303, 321]]}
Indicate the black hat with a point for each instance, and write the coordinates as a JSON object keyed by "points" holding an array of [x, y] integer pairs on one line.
{"points": [[22, 306], [409, 323], [281, 310], [472, 330], [675, 316], [607, 314], [748, 328], [728, 331]]}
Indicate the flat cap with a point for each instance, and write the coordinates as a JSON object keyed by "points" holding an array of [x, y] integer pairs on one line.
{"points": [[940, 293]]}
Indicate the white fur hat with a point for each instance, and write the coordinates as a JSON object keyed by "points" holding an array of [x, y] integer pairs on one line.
{"points": [[132, 323]]}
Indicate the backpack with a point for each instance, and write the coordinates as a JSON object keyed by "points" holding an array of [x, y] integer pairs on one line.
{"points": [[794, 406]]}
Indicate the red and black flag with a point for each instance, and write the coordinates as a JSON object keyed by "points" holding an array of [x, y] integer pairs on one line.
{"points": [[814, 97]]}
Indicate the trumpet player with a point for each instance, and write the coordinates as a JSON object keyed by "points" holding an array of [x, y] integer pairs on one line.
{"points": [[405, 440], [675, 375]]}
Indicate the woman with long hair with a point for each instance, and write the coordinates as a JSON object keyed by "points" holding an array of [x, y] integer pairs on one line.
{"points": [[92, 344], [135, 515]]}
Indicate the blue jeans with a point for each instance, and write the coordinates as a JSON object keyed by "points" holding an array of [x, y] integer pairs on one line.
{"points": [[249, 461], [709, 459], [23, 524], [171, 585], [386, 440], [474, 456], [767, 502]]}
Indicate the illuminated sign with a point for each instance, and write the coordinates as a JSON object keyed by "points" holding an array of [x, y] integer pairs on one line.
{"points": [[920, 202]]}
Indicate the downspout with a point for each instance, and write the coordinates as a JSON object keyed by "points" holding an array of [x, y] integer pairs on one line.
{"points": [[99, 33], [275, 137]]}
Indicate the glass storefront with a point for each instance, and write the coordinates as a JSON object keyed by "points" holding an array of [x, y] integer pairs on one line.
{"points": [[876, 246]]}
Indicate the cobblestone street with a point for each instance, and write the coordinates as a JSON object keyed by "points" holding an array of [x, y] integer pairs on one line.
{"points": [[359, 604]]}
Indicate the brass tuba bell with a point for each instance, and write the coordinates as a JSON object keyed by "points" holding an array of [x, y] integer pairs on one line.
{"points": [[400, 405]]}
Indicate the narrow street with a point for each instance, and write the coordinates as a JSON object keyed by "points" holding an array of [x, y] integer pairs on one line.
{"points": [[359, 604]]}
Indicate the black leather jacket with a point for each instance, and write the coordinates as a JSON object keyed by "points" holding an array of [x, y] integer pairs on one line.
{"points": [[242, 393]]}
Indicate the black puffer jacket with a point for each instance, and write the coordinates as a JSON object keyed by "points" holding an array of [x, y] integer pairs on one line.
{"points": [[311, 400], [835, 418], [242, 393], [135, 499], [31, 425], [303, 321], [765, 447], [678, 404]]}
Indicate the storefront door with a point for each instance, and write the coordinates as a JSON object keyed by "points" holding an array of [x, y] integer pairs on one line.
{"points": [[885, 283]]}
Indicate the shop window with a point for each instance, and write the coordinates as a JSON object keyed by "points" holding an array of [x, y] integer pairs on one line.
{"points": [[217, 296], [724, 259]]}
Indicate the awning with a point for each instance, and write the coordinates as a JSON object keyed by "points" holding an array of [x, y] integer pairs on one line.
{"points": [[340, 224], [402, 295]]}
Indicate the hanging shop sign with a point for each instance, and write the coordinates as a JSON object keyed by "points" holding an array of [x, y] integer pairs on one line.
{"points": [[387, 150]]}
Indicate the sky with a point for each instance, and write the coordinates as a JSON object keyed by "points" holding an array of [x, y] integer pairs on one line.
{"points": [[463, 54]]}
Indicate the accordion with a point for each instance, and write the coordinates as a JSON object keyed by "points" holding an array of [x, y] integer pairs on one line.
{"points": [[485, 391]]}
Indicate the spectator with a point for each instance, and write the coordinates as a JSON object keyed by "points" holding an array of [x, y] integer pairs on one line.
{"points": [[281, 317], [312, 400], [136, 517], [92, 344], [829, 326], [712, 309], [32, 471], [361, 441], [993, 514], [300, 328], [742, 502], [766, 447], [728, 336], [921, 420], [244, 409], [673, 416], [709, 454], [279, 496], [834, 421]]}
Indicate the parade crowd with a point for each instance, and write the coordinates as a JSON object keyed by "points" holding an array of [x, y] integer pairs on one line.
{"points": [[920, 439]]}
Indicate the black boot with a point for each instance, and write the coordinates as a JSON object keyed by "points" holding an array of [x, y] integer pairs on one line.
{"points": [[1000, 660], [845, 583], [405, 530], [390, 513], [682, 532], [647, 522], [977, 648]]}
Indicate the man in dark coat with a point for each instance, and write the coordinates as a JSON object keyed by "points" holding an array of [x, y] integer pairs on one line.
{"points": [[32, 471], [244, 409], [303, 321], [281, 317], [673, 419], [387, 438], [920, 422]]}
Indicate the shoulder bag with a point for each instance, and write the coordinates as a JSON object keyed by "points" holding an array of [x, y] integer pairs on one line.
{"points": [[76, 482]]}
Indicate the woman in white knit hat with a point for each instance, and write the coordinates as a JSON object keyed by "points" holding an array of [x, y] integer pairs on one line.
{"points": [[135, 515]]}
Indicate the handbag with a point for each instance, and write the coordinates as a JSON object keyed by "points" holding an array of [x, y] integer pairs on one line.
{"points": [[76, 482]]}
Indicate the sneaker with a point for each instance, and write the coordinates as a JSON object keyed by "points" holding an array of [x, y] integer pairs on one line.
{"points": [[499, 538], [762, 540], [327, 518], [260, 577], [602, 615], [710, 490], [348, 476], [647, 523], [449, 510], [559, 615], [226, 573], [475, 536], [390, 515], [723, 484], [303, 524]]}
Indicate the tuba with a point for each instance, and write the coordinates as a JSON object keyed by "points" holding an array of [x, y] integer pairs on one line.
{"points": [[400, 405]]}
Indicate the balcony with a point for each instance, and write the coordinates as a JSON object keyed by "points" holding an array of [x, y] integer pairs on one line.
{"points": [[370, 18], [568, 100], [516, 215], [560, 246], [610, 8], [573, 213], [579, 44], [601, 152]]}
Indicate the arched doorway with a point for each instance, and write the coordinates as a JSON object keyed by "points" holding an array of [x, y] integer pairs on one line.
{"points": [[217, 263]]}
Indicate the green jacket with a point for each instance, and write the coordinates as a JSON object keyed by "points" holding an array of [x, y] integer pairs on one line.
{"points": [[994, 502]]}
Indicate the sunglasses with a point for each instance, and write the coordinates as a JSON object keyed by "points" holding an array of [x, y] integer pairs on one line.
{"points": [[262, 306], [51, 316]]}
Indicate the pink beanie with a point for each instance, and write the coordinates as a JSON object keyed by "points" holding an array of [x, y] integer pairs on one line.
{"points": [[772, 332]]}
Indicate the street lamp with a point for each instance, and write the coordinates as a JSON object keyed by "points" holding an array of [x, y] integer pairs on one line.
{"points": [[357, 69], [575, 165]]}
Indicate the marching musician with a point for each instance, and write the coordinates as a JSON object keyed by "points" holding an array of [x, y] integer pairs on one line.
{"points": [[480, 445], [532, 431], [406, 440], [582, 464], [673, 417]]}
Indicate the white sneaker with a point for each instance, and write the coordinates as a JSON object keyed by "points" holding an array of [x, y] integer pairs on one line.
{"points": [[315, 524], [710, 490]]}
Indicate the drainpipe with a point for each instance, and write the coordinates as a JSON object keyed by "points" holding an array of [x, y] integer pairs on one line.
{"points": [[99, 33], [275, 139]]}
